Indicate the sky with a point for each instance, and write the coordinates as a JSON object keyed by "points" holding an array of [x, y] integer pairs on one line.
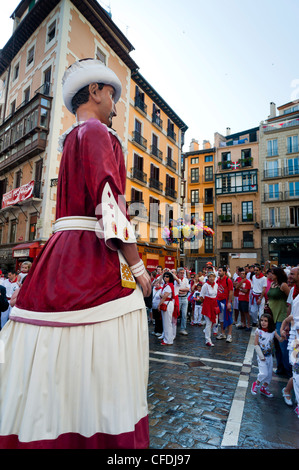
{"points": [[217, 63]]}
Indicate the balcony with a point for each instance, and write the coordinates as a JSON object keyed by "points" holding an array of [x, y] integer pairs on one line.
{"points": [[274, 127], [155, 184], [138, 139], [247, 244], [139, 103], [156, 120], [171, 134], [138, 175], [170, 192], [171, 163], [228, 219], [247, 218], [290, 195], [24, 134], [274, 196], [226, 244], [156, 152]]}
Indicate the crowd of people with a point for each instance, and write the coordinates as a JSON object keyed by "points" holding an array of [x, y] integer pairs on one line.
{"points": [[10, 283], [261, 297]]}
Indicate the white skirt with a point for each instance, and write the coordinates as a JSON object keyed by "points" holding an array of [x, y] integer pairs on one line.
{"points": [[75, 387]]}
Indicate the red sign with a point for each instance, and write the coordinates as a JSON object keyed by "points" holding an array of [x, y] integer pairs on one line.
{"points": [[17, 195], [151, 264], [169, 262]]}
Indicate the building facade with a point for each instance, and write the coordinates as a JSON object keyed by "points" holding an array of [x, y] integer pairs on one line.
{"points": [[238, 218], [279, 169], [200, 196], [155, 139]]}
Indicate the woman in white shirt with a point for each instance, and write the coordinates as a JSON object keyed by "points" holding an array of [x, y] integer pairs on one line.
{"points": [[208, 296], [167, 298]]}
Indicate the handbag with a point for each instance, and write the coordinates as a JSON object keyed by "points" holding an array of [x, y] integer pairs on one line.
{"points": [[163, 307]]}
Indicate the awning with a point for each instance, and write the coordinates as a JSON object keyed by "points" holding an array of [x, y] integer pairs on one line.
{"points": [[25, 250]]}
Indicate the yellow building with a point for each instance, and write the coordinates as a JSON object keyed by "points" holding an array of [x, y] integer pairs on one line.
{"points": [[155, 139], [200, 199]]}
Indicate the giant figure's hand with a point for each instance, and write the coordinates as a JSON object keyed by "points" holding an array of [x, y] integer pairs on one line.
{"points": [[145, 283]]}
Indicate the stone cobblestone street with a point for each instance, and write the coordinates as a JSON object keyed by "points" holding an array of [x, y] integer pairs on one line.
{"points": [[199, 397]]}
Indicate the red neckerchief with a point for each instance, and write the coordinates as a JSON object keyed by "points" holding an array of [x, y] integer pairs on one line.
{"points": [[265, 330], [259, 276], [158, 288], [296, 291], [211, 283], [13, 281]]}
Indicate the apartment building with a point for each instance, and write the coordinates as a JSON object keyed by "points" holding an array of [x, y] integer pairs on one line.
{"points": [[155, 139], [47, 38], [279, 169], [200, 196], [238, 219]]}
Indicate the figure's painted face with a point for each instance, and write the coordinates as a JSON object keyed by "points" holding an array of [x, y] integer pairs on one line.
{"points": [[107, 108]]}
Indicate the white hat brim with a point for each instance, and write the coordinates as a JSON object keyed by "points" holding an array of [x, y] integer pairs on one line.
{"points": [[83, 73]]}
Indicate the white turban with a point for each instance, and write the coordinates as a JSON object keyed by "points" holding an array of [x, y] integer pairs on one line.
{"points": [[83, 73]]}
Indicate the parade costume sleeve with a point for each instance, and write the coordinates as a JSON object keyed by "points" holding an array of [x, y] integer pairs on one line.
{"points": [[103, 164]]}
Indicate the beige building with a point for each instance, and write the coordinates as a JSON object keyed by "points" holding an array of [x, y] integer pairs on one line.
{"points": [[279, 169], [237, 206]]}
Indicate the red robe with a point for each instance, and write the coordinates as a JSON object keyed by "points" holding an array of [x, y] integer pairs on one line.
{"points": [[69, 269]]}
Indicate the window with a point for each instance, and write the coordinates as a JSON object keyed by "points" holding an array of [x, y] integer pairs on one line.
{"points": [[294, 216], [208, 158], [51, 32], [225, 159], [209, 219], [292, 143], [16, 72], [246, 157], [32, 227], [274, 191], [194, 196], [194, 160], [194, 175], [293, 166], [27, 95], [248, 240], [3, 186], [272, 169], [226, 211], [38, 178], [30, 56], [294, 189], [209, 196], [247, 211], [227, 241], [101, 56], [272, 148], [13, 107], [13, 231], [237, 182], [208, 173], [208, 244], [18, 178]]}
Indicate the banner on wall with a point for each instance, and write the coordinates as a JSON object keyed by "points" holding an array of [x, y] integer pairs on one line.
{"points": [[18, 195]]}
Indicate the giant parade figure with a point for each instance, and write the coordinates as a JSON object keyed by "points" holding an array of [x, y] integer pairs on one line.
{"points": [[76, 344]]}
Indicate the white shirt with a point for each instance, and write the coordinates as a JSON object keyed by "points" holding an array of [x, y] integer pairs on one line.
{"points": [[258, 284], [209, 291], [184, 285]]}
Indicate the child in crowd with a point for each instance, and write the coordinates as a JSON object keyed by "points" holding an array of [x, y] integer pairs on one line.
{"points": [[264, 343], [25, 268], [197, 320]]}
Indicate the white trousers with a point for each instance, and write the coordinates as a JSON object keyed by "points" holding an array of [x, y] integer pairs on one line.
{"points": [[197, 314], [256, 310], [208, 329], [296, 386], [169, 329], [265, 370]]}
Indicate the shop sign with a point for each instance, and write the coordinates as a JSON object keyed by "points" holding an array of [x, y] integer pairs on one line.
{"points": [[18, 195], [21, 253], [169, 262]]}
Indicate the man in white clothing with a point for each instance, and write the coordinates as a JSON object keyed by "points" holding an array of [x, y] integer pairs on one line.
{"points": [[259, 284], [183, 299]]}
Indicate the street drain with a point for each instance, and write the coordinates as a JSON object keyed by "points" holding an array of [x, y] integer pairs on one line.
{"points": [[195, 364]]}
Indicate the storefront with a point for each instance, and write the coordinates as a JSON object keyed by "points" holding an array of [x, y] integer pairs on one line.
{"points": [[154, 256], [26, 252], [284, 250]]}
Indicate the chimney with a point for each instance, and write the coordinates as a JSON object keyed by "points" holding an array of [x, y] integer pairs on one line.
{"points": [[272, 110], [228, 131], [206, 144], [194, 145]]}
